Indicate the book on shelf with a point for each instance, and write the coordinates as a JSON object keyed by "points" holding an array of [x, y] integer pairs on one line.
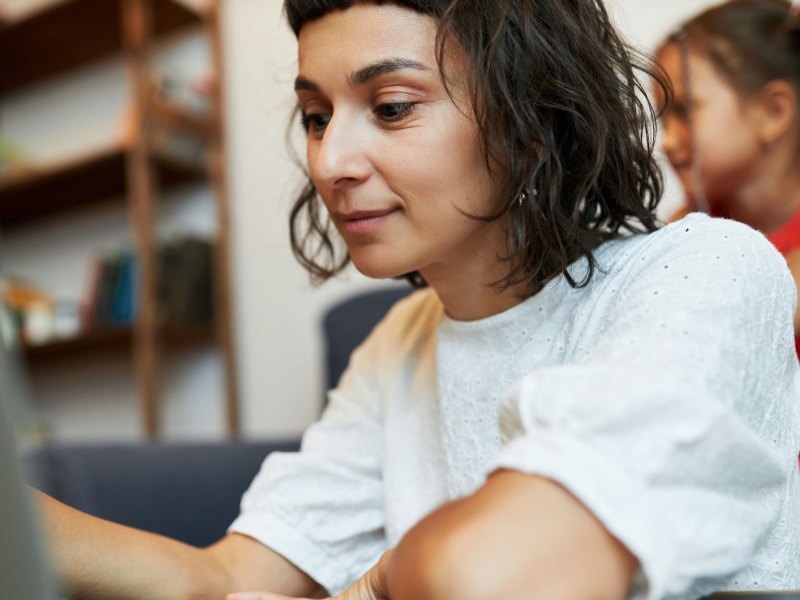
{"points": [[185, 293], [186, 281], [31, 315], [114, 293]]}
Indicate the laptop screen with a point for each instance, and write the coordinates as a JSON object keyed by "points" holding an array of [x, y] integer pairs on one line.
{"points": [[23, 574]]}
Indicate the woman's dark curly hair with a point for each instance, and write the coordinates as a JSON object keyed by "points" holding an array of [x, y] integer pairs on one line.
{"points": [[560, 109]]}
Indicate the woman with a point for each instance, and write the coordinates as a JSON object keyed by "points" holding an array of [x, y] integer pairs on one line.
{"points": [[569, 410]]}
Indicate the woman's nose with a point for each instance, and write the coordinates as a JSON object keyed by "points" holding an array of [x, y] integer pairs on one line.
{"points": [[341, 157]]}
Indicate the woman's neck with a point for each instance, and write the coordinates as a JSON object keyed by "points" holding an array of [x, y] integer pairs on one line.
{"points": [[464, 284], [468, 291], [471, 302]]}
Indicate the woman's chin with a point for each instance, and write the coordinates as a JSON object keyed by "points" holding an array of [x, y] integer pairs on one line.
{"points": [[379, 269]]}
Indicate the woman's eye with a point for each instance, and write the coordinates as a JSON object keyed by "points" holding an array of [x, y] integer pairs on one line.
{"points": [[393, 111], [314, 122]]}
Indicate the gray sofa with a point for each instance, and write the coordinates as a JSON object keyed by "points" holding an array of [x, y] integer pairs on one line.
{"points": [[189, 492]]}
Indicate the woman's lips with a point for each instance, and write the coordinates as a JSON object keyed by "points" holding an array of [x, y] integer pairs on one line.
{"points": [[364, 221]]}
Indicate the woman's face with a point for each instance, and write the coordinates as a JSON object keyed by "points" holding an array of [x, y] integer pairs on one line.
{"points": [[726, 143], [395, 160]]}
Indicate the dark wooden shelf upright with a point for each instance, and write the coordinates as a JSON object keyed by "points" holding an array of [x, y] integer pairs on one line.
{"points": [[224, 258]]}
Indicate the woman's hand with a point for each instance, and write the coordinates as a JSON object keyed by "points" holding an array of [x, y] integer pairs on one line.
{"points": [[372, 586]]}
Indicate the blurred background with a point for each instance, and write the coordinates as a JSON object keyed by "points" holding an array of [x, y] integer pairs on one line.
{"points": [[145, 151]]}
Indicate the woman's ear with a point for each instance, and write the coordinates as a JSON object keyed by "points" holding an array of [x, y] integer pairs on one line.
{"points": [[778, 111]]}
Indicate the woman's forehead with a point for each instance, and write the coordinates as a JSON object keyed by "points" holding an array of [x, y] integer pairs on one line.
{"points": [[365, 33]]}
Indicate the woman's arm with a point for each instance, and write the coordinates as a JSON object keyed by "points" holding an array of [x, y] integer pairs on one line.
{"points": [[100, 559], [518, 537]]}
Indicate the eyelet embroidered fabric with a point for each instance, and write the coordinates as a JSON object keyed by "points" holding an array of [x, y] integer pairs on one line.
{"points": [[664, 395]]}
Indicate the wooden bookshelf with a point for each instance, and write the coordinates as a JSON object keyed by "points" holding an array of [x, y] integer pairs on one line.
{"points": [[60, 38], [73, 33]]}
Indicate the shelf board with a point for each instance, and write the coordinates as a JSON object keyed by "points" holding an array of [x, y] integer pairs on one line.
{"points": [[72, 33], [180, 119], [108, 339], [99, 339], [80, 181]]}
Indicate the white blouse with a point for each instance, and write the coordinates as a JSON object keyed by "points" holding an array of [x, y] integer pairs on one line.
{"points": [[664, 395]]}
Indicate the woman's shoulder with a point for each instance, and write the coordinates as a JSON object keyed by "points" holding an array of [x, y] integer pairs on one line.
{"points": [[698, 243], [421, 303], [410, 317], [697, 227], [696, 261]]}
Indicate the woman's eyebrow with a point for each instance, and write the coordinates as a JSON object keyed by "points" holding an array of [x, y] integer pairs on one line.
{"points": [[366, 74], [382, 67]]}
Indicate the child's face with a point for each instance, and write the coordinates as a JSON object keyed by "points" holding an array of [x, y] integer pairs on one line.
{"points": [[394, 159], [726, 142]]}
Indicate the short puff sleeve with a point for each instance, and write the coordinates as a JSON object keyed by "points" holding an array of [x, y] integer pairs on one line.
{"points": [[322, 508], [673, 429]]}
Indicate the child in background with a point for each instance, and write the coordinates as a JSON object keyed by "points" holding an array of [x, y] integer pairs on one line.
{"points": [[732, 128]]}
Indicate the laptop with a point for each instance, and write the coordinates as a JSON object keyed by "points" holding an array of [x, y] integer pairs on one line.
{"points": [[24, 574]]}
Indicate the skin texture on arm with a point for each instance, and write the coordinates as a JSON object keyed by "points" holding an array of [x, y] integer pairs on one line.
{"points": [[100, 559], [518, 537]]}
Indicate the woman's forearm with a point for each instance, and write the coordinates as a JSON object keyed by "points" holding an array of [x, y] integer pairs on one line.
{"points": [[98, 559], [518, 537]]}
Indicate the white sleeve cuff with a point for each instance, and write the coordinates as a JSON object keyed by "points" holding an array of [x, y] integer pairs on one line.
{"points": [[294, 547], [610, 494]]}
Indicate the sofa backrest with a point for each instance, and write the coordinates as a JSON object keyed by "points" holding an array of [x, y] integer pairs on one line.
{"points": [[346, 324], [189, 492]]}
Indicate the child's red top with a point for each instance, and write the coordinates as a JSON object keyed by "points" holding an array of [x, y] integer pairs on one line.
{"points": [[786, 239]]}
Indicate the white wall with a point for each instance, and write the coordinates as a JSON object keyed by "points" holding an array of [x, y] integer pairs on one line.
{"points": [[277, 312]]}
